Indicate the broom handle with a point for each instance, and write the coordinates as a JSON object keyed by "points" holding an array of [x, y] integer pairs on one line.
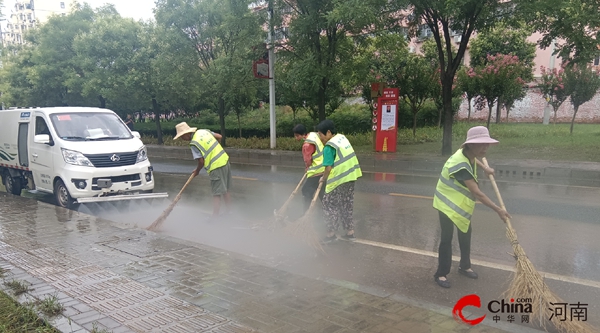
{"points": [[315, 197], [284, 207], [495, 186], [183, 188]]}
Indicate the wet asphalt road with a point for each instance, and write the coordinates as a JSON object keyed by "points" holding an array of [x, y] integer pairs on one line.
{"points": [[398, 232]]}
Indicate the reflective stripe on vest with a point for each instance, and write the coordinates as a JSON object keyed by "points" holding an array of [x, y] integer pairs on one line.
{"points": [[214, 155], [451, 197], [345, 166], [316, 167]]}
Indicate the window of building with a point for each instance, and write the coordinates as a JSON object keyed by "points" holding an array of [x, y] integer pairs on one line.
{"points": [[597, 61], [62, 5]]}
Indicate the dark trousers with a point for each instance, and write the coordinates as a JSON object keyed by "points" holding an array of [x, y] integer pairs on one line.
{"points": [[445, 250], [309, 188]]}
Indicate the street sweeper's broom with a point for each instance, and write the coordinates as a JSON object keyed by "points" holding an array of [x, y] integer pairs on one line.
{"points": [[528, 283], [159, 221], [303, 227], [280, 216]]}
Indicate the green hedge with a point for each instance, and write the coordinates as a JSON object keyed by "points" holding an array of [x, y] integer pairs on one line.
{"points": [[348, 119]]}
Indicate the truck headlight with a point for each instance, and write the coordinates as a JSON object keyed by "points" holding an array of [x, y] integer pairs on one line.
{"points": [[76, 158], [142, 155]]}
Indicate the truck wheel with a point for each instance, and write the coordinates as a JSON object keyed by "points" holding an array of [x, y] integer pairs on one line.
{"points": [[62, 196], [11, 184]]}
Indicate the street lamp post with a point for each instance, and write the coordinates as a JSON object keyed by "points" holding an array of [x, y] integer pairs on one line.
{"points": [[272, 121]]}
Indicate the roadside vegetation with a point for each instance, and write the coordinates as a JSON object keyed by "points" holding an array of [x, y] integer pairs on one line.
{"points": [[15, 317], [517, 141]]}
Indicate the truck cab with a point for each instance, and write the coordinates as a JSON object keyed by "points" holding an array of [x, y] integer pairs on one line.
{"points": [[78, 154]]}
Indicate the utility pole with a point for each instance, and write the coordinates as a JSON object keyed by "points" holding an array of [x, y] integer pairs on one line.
{"points": [[272, 77]]}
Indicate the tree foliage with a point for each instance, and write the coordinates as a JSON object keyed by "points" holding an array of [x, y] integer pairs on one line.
{"points": [[223, 35], [552, 86], [581, 84], [501, 74], [462, 16]]}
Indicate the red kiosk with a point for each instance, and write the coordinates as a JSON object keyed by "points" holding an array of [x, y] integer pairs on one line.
{"points": [[385, 120]]}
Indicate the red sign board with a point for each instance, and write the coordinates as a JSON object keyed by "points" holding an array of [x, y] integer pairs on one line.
{"points": [[385, 122], [261, 69]]}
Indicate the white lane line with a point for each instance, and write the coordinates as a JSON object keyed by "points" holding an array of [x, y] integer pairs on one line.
{"points": [[557, 277]]}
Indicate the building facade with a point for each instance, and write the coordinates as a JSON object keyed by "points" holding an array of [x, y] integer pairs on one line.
{"points": [[25, 14]]}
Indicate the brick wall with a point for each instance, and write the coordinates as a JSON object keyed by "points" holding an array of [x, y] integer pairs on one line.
{"points": [[531, 109]]}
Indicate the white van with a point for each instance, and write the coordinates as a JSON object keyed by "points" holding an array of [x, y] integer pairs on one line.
{"points": [[79, 154]]}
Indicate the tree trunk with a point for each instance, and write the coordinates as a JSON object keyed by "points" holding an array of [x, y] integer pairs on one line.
{"points": [[498, 111], [321, 101], [490, 107], [222, 119], [573, 120], [448, 118], [469, 112], [555, 109], [156, 111], [415, 122], [239, 124], [102, 102]]}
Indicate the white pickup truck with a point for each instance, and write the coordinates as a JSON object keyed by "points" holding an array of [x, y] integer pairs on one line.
{"points": [[78, 154]]}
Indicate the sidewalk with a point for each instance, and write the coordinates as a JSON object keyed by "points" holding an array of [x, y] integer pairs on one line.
{"points": [[131, 280], [398, 163]]}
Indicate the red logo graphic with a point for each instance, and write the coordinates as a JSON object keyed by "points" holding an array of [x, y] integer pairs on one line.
{"points": [[469, 300]]}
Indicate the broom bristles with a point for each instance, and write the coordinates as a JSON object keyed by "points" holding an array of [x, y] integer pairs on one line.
{"points": [[304, 230], [528, 283]]}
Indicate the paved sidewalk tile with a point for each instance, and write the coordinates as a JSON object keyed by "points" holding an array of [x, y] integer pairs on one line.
{"points": [[128, 280]]}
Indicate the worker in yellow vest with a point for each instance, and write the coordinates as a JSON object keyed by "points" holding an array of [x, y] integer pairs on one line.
{"points": [[341, 172], [209, 153], [312, 153], [456, 192]]}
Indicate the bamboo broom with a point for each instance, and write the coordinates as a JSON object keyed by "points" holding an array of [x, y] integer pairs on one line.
{"points": [[161, 219], [303, 227], [280, 214], [528, 283]]}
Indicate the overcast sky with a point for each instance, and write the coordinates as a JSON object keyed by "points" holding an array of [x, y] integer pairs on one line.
{"points": [[138, 9]]}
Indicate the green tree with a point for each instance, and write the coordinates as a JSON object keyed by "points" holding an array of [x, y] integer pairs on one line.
{"points": [[324, 37], [571, 26], [417, 81], [500, 74], [54, 75], [223, 35], [509, 40], [443, 17], [581, 84], [467, 83], [105, 55], [553, 88]]}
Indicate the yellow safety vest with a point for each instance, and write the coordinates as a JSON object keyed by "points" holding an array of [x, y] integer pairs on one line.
{"points": [[316, 168], [214, 155], [451, 197], [345, 166]]}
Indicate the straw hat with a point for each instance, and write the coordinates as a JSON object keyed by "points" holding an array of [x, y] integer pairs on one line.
{"points": [[183, 128], [479, 134]]}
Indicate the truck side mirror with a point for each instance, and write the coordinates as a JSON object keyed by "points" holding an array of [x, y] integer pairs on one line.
{"points": [[42, 138], [136, 134]]}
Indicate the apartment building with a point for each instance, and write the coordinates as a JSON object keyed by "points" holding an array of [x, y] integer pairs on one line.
{"points": [[25, 14]]}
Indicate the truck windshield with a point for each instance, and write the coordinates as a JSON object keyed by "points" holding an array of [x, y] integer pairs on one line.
{"points": [[88, 126]]}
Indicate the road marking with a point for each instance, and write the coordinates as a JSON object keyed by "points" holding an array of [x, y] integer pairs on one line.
{"points": [[557, 277], [244, 178], [416, 196]]}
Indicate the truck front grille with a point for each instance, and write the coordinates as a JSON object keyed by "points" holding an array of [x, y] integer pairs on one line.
{"points": [[112, 160]]}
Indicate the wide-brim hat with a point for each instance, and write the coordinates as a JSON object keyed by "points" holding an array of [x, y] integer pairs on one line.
{"points": [[183, 128], [479, 134]]}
